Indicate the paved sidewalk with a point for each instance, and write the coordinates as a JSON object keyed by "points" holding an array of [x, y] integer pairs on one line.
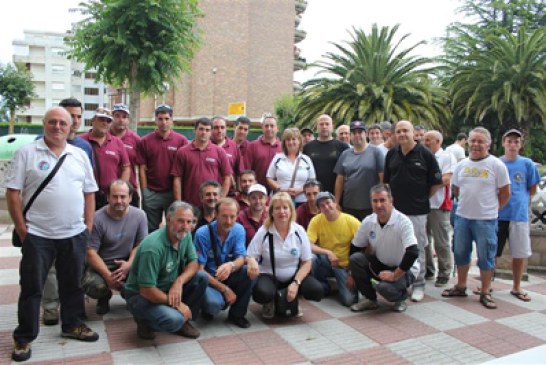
{"points": [[434, 331]]}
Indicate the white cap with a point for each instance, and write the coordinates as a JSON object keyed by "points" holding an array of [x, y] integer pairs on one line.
{"points": [[257, 187]]}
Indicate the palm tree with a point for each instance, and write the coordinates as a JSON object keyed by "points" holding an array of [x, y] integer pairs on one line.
{"points": [[369, 80], [503, 85]]}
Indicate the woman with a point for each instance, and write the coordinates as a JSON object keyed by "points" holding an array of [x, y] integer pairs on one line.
{"points": [[293, 257], [290, 169]]}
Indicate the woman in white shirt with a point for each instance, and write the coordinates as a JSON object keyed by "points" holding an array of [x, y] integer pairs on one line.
{"points": [[293, 258], [290, 169]]}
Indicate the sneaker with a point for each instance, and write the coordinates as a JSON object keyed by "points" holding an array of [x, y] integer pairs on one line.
{"points": [[441, 282], [21, 351], [144, 331], [241, 322], [364, 305], [429, 275], [400, 306], [103, 306], [300, 312], [268, 310], [418, 294], [82, 333], [207, 316], [189, 331], [50, 317]]}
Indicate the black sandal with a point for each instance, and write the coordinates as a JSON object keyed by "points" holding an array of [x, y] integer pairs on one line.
{"points": [[487, 301], [455, 291]]}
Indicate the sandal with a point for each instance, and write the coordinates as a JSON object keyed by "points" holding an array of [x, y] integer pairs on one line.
{"points": [[487, 301], [523, 296], [455, 291], [478, 291]]}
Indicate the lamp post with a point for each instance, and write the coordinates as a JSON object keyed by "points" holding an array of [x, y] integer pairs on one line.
{"points": [[214, 70]]}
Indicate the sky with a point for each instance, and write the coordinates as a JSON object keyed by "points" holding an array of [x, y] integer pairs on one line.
{"points": [[324, 21]]}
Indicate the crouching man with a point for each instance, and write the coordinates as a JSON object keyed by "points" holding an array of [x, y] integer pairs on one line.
{"points": [[164, 289], [389, 264]]}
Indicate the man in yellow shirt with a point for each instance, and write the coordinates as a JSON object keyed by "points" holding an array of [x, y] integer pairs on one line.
{"points": [[330, 234]]}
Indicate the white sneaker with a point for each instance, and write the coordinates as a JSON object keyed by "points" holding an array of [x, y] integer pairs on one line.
{"points": [[268, 310], [400, 306], [364, 305], [300, 312], [418, 294]]}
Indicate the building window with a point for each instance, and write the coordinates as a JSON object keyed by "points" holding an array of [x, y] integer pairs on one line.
{"points": [[57, 69], [91, 107], [27, 66], [28, 119], [57, 86], [87, 122], [91, 91], [90, 75], [57, 51]]}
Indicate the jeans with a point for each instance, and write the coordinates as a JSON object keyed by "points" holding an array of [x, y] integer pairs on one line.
{"points": [[50, 296], [391, 291], [265, 289], [240, 283], [322, 269], [39, 253], [484, 233], [163, 318]]}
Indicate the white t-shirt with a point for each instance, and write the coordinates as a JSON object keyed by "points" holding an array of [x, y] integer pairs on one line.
{"points": [[456, 151], [288, 252], [479, 183], [281, 169], [58, 210], [389, 242], [383, 149], [447, 163]]}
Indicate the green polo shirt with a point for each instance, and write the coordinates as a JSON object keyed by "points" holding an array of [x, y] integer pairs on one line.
{"points": [[157, 263]]}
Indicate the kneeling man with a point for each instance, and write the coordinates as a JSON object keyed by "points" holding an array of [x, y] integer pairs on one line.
{"points": [[389, 264]]}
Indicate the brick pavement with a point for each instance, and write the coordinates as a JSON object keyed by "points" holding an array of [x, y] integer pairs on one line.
{"points": [[434, 331]]}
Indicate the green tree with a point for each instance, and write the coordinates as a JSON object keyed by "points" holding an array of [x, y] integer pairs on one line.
{"points": [[286, 110], [370, 79], [141, 45], [16, 90]]}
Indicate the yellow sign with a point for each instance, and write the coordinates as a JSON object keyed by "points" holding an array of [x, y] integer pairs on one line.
{"points": [[237, 108]]}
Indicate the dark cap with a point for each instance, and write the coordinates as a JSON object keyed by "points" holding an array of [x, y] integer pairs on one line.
{"points": [[163, 108], [324, 195], [512, 132], [357, 124], [306, 129]]}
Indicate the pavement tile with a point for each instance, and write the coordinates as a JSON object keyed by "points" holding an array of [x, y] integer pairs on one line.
{"points": [[229, 350], [537, 288], [10, 262], [104, 358], [473, 305], [122, 336], [533, 324], [443, 315], [188, 352], [9, 294], [9, 277], [271, 348]]}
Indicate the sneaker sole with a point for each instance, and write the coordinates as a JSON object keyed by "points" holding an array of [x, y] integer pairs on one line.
{"points": [[84, 339]]}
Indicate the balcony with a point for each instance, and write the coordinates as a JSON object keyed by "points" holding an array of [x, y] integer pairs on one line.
{"points": [[299, 35], [301, 5], [297, 20], [300, 63]]}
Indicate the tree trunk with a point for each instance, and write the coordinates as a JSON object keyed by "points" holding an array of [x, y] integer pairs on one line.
{"points": [[134, 98], [11, 125]]}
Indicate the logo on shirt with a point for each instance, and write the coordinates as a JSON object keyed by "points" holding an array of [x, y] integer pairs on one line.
{"points": [[210, 160], [128, 146], [518, 177], [172, 148], [43, 165], [170, 266], [372, 235], [111, 153], [294, 252], [475, 172]]}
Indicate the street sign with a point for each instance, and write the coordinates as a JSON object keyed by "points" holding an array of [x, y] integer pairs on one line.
{"points": [[237, 109]]}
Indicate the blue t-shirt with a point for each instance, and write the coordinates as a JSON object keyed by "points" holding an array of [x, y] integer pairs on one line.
{"points": [[232, 248], [78, 142], [523, 175]]}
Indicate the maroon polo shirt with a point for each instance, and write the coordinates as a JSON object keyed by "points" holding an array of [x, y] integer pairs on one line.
{"points": [[250, 225], [242, 204], [130, 141], [158, 154], [259, 156], [304, 215], [234, 156], [243, 151], [111, 158], [194, 166]]}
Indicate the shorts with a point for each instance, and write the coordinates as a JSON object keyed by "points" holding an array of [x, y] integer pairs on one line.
{"points": [[481, 231], [519, 240]]}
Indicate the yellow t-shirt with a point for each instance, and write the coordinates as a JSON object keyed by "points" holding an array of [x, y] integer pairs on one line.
{"points": [[335, 236]]}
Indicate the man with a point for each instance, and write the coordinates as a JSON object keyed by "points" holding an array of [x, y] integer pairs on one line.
{"points": [[307, 135], [62, 239], [324, 152], [221, 255], [306, 211], [120, 129], [389, 264], [375, 135], [343, 134], [440, 209], [111, 159], [261, 151], [413, 174], [253, 216], [118, 228], [330, 234], [164, 289], [199, 161], [155, 156], [219, 138], [389, 137], [74, 107], [480, 178], [246, 180], [210, 191], [514, 217], [419, 133], [358, 169], [457, 148], [242, 127]]}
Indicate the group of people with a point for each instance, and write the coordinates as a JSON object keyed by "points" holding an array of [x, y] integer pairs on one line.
{"points": [[272, 219]]}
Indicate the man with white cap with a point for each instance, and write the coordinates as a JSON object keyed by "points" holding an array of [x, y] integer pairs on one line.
{"points": [[253, 216]]}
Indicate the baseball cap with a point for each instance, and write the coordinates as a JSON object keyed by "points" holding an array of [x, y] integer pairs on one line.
{"points": [[357, 124], [385, 125], [306, 129], [163, 108], [257, 188], [324, 195], [103, 113], [511, 132], [120, 108]]}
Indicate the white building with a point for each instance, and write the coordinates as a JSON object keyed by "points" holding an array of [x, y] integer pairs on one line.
{"points": [[55, 76]]}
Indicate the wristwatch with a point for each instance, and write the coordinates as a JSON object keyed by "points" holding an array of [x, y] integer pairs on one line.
{"points": [[298, 283]]}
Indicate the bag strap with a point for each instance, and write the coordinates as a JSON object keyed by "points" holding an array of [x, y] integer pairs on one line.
{"points": [[96, 160], [213, 244], [272, 256], [44, 183], [295, 172]]}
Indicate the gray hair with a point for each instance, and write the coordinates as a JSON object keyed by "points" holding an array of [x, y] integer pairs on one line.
{"points": [[482, 131], [176, 205], [436, 135], [380, 188]]}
